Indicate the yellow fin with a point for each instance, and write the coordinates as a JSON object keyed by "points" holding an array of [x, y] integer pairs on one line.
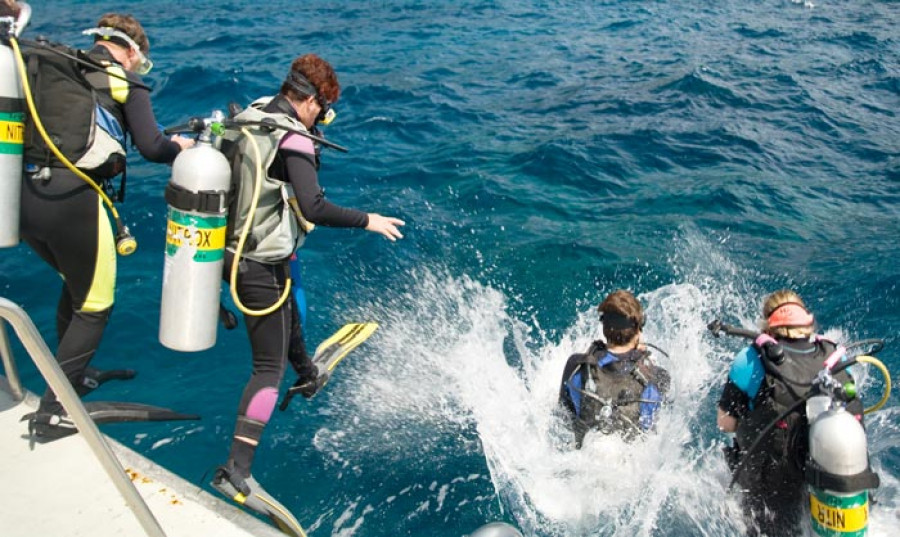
{"points": [[331, 351]]}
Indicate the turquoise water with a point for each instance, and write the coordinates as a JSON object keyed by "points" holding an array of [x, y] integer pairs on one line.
{"points": [[542, 154]]}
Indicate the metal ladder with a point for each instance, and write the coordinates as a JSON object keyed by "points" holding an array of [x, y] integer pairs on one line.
{"points": [[46, 363]]}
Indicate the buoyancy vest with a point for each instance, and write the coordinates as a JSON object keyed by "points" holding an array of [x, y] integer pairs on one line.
{"points": [[784, 384], [278, 228], [80, 107], [619, 394]]}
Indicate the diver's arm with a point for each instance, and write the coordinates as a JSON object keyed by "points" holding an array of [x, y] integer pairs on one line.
{"points": [[662, 379], [733, 404], [141, 122], [565, 391], [301, 172], [726, 422]]}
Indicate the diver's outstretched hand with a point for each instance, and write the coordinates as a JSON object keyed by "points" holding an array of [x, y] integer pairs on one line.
{"points": [[385, 225]]}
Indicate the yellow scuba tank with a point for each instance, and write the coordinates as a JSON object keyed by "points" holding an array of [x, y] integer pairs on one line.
{"points": [[12, 131], [838, 471], [195, 245]]}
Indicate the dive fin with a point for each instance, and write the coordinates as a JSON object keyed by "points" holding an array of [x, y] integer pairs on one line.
{"points": [[47, 426], [328, 355], [116, 412], [251, 495], [94, 378], [330, 352]]}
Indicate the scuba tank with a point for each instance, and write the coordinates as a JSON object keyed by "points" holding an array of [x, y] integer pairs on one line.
{"points": [[195, 244], [838, 473], [12, 136], [496, 529]]}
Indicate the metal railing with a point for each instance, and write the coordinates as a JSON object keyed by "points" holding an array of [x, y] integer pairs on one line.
{"points": [[46, 363]]}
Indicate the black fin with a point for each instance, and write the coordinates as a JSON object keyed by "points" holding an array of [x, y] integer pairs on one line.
{"points": [[116, 412], [94, 378]]}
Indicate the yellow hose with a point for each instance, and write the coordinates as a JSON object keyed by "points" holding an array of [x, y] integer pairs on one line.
{"points": [[232, 280], [20, 63], [866, 359]]}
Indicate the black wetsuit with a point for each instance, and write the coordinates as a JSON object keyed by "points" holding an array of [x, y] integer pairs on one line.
{"points": [[63, 220], [755, 394], [277, 337]]}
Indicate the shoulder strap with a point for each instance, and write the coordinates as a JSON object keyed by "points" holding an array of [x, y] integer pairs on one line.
{"points": [[595, 352]]}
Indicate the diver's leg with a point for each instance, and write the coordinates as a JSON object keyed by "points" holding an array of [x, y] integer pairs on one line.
{"points": [[297, 354], [786, 502], [68, 227], [260, 286], [87, 262]]}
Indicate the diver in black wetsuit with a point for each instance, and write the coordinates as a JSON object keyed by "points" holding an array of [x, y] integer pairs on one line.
{"points": [[63, 219], [615, 387], [765, 380]]}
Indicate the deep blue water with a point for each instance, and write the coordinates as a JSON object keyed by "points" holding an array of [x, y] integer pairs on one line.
{"points": [[542, 154]]}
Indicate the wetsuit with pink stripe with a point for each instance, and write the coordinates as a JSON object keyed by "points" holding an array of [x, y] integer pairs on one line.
{"points": [[277, 338]]}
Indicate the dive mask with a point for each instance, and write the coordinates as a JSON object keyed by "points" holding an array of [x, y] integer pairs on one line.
{"points": [[106, 33], [327, 115], [303, 86]]}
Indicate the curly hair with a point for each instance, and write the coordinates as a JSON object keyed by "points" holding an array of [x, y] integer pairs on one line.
{"points": [[319, 73], [129, 26]]}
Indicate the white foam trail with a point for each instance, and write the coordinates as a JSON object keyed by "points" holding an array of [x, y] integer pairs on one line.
{"points": [[442, 369]]}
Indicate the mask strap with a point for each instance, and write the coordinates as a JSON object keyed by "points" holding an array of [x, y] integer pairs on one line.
{"points": [[300, 84]]}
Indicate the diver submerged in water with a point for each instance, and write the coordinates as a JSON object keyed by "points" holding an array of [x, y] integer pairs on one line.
{"points": [[615, 387], [766, 379]]}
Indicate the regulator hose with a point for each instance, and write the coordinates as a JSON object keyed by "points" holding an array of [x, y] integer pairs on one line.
{"points": [[196, 124], [232, 281], [866, 359]]}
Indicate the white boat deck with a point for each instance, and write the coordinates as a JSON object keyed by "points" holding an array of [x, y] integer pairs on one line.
{"points": [[60, 489]]}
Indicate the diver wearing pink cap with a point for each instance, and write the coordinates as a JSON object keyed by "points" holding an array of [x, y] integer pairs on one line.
{"points": [[765, 380]]}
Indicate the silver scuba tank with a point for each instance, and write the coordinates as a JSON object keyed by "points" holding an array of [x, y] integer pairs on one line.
{"points": [[838, 450], [12, 138], [496, 529], [195, 247]]}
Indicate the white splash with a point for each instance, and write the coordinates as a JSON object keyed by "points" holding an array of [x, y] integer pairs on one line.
{"points": [[450, 358]]}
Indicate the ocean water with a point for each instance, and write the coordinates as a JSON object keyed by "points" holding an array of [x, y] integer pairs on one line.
{"points": [[542, 154]]}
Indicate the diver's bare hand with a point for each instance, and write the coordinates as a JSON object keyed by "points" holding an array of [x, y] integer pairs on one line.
{"points": [[183, 142], [385, 225]]}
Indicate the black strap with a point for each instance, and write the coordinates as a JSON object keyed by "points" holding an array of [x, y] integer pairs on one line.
{"points": [[819, 478], [205, 201]]}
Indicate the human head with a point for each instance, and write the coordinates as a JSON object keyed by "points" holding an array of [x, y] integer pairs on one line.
{"points": [[9, 8], [127, 25], [785, 315], [313, 80], [622, 317], [126, 40]]}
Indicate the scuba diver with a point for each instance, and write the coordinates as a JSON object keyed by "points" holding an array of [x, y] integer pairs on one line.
{"points": [[766, 379], [615, 387], [278, 212], [87, 102]]}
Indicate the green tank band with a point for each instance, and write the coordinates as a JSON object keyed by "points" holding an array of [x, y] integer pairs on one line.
{"points": [[12, 133], [204, 233], [839, 516]]}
